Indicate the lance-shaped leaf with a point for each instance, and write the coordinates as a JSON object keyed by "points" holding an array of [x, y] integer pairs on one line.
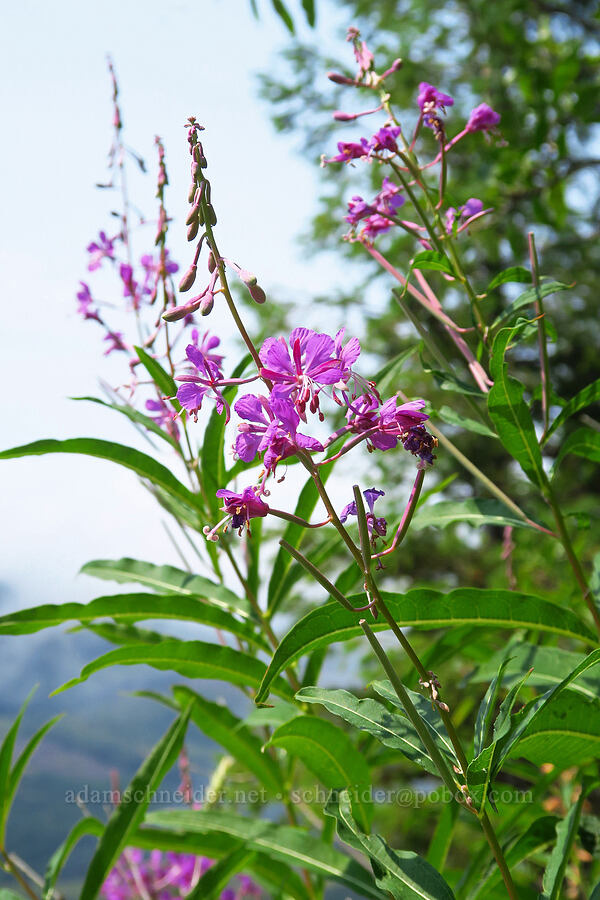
{"points": [[129, 609], [583, 442], [486, 710], [566, 733], [216, 722], [566, 831], [431, 259], [193, 659], [510, 414], [401, 872], [133, 803], [137, 417], [142, 464], [587, 395], [331, 622], [369, 715], [166, 579], [164, 382], [528, 298], [453, 418], [475, 511], [86, 826], [429, 714], [328, 753], [294, 846], [512, 274], [217, 877]]}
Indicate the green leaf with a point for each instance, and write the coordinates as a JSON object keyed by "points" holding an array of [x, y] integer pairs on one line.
{"points": [[431, 259], [330, 623], [132, 608], [292, 845], [475, 511], [513, 273], [164, 382], [133, 803], [217, 877], [486, 710], [528, 298], [19, 768], [273, 716], [442, 836], [142, 464], [387, 377], [283, 14], [587, 395], [328, 753], [6, 752], [428, 714], [6, 894], [566, 831], [294, 535], [583, 442], [166, 578], [403, 873], [447, 381], [215, 721], [566, 733], [309, 8], [137, 417], [453, 418], [369, 715], [56, 862], [510, 414], [193, 659]]}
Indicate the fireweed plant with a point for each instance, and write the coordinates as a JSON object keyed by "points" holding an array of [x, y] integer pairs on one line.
{"points": [[302, 399]]}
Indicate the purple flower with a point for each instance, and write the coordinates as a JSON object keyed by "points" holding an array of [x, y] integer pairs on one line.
{"points": [[429, 98], [270, 427], [348, 150], [420, 443], [208, 343], [375, 225], [386, 203], [101, 249], [84, 303], [241, 508], [300, 375], [472, 207], [386, 423], [358, 209], [152, 266], [191, 394], [163, 416], [377, 527], [116, 342], [483, 118], [385, 139], [130, 285]]}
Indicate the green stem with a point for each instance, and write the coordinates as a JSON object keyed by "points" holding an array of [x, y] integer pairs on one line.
{"points": [[488, 830], [17, 875], [541, 327]]}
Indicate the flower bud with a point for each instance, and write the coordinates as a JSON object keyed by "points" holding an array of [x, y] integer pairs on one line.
{"points": [[193, 230], [188, 279], [212, 216], [212, 263], [257, 293], [192, 215], [196, 171], [340, 116], [339, 79], [207, 304], [192, 192], [247, 277], [180, 312]]}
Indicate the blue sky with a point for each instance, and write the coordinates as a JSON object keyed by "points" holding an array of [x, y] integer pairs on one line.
{"points": [[173, 59]]}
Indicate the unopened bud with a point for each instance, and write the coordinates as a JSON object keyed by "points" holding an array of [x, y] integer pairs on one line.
{"points": [[257, 293], [193, 230], [199, 156], [212, 216], [339, 79], [340, 116], [397, 64], [196, 171], [192, 215], [207, 304], [212, 264], [247, 277], [188, 279], [192, 192], [175, 313]]}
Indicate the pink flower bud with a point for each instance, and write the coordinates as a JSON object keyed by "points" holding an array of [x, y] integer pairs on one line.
{"points": [[212, 264], [192, 215], [188, 279], [247, 277], [339, 79], [180, 312], [193, 230], [192, 192], [207, 304], [344, 117], [257, 293]]}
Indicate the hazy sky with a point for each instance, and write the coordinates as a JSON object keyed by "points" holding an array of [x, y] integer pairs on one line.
{"points": [[173, 59]]}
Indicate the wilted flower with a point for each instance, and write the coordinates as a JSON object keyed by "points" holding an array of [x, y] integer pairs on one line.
{"points": [[376, 526]]}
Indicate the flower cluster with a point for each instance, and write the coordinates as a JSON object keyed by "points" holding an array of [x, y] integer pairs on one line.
{"points": [[166, 876]]}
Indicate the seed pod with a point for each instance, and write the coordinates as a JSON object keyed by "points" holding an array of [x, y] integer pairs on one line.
{"points": [[212, 263], [257, 293], [193, 230], [188, 279], [247, 277]]}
